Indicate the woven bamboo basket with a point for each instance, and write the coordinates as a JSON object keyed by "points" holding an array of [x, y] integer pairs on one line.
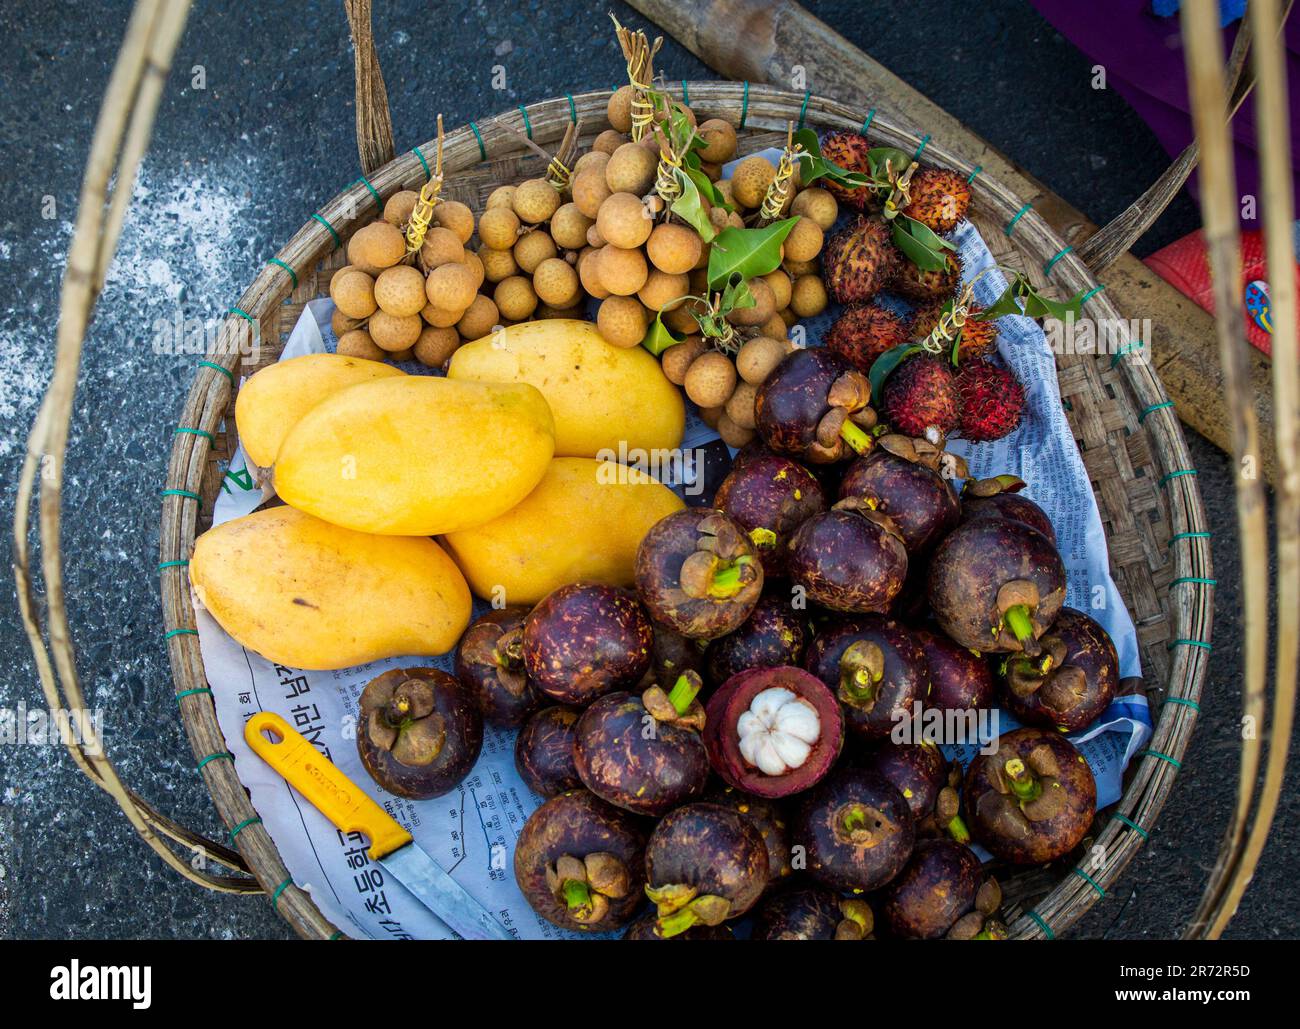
{"points": [[1127, 433]]}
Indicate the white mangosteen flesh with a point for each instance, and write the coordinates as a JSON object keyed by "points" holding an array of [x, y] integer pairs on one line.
{"points": [[778, 731]]}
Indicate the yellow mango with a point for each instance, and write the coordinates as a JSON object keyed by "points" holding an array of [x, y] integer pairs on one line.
{"points": [[273, 399], [583, 522], [416, 455], [307, 594], [604, 398]]}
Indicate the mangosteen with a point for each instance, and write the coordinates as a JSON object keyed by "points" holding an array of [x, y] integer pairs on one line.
{"points": [[850, 558], [813, 913], [877, 670], [1068, 685], [585, 640], [767, 816], [898, 476], [936, 888], [770, 496], [960, 679], [929, 783], [996, 585], [1000, 497], [856, 830], [419, 733], [490, 664], [580, 863], [644, 754], [647, 928], [816, 407], [983, 922], [544, 751], [704, 864], [698, 573], [671, 655], [1033, 800], [771, 636], [773, 732]]}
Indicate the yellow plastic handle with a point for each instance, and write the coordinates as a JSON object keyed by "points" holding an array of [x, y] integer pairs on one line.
{"points": [[331, 792]]}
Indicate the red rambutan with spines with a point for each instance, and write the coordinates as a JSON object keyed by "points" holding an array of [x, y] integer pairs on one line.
{"points": [[976, 338], [991, 401], [860, 261], [917, 284], [921, 395], [939, 199], [849, 151], [865, 331]]}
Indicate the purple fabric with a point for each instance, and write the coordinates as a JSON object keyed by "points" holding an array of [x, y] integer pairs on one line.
{"points": [[1143, 57]]}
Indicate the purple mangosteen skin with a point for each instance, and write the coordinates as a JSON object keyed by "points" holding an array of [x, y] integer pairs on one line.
{"points": [[864, 859], [504, 695], [918, 771], [766, 815], [936, 888], [847, 562], [773, 635], [544, 751], [1012, 506], [774, 493], [801, 913], [1089, 648], [712, 848], [921, 502], [647, 928], [793, 399], [960, 680]]}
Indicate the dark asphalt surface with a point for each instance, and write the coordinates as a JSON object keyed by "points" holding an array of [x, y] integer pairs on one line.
{"points": [[234, 169]]}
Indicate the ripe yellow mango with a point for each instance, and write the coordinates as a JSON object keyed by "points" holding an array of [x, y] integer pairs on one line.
{"points": [[273, 399], [604, 398], [583, 522], [307, 594], [416, 455]]}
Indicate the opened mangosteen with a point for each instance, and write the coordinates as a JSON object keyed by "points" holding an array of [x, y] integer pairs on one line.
{"points": [[903, 476], [960, 679], [644, 753], [929, 783], [773, 732], [1033, 800], [770, 496], [983, 922], [705, 864], [767, 816], [585, 640], [647, 928], [773, 635], [813, 913], [816, 407], [490, 664], [698, 573], [856, 830], [580, 863], [877, 670], [996, 585], [1070, 682], [544, 751], [850, 558], [936, 888], [999, 497], [419, 733]]}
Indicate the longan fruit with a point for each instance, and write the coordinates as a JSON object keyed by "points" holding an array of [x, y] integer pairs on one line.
{"points": [[497, 264], [478, 319], [818, 204], [556, 283], [662, 289], [589, 275], [339, 272], [341, 323], [624, 221], [451, 287], [757, 357], [720, 136], [569, 227], [502, 196], [763, 309], [774, 327], [723, 187], [515, 298], [354, 293], [398, 356], [535, 200], [475, 264], [608, 141], [440, 318], [804, 241], [809, 296], [441, 246], [435, 346], [710, 379], [357, 343], [750, 180], [377, 245], [781, 286], [798, 269], [679, 357], [711, 170], [631, 169], [723, 219], [452, 214], [674, 248], [710, 416], [740, 408], [680, 320], [532, 248], [498, 228], [395, 332], [594, 239], [400, 290], [732, 434], [620, 271], [399, 206], [589, 190], [619, 109], [591, 159], [788, 319], [547, 311], [622, 321]]}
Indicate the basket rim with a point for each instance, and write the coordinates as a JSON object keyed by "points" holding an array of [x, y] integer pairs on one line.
{"points": [[760, 107]]}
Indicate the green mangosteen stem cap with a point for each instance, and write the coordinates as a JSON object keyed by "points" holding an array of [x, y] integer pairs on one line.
{"points": [[684, 691], [729, 578], [577, 895], [958, 831], [1020, 620], [856, 437], [1022, 783]]}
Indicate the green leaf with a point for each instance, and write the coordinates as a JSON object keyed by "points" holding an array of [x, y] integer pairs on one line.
{"points": [[815, 166], [748, 253], [736, 296], [884, 365], [883, 158], [708, 189], [690, 209], [659, 337], [1035, 305], [920, 245]]}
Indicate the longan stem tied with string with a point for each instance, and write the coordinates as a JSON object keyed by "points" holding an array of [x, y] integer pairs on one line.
{"points": [[639, 53], [429, 198], [774, 200]]}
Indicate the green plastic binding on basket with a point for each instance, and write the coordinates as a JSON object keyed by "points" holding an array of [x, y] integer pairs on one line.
{"points": [[293, 275], [275, 897], [1132, 825], [1092, 293], [573, 108], [1142, 415], [187, 494], [482, 150], [242, 314], [379, 202], [321, 218], [164, 565], [803, 108], [1011, 225], [1047, 268], [686, 94], [254, 820], [1184, 702], [179, 632], [1163, 757], [866, 122], [1196, 579], [192, 693], [1047, 929], [189, 430], [218, 756], [428, 172], [1125, 350], [970, 181], [925, 141], [219, 368], [1165, 480], [1200, 644], [1189, 536], [744, 105], [528, 125], [1090, 881]]}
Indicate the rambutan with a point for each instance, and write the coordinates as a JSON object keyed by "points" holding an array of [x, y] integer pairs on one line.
{"points": [[939, 198], [864, 332], [858, 262], [849, 151], [921, 395], [991, 400], [976, 338], [912, 282]]}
